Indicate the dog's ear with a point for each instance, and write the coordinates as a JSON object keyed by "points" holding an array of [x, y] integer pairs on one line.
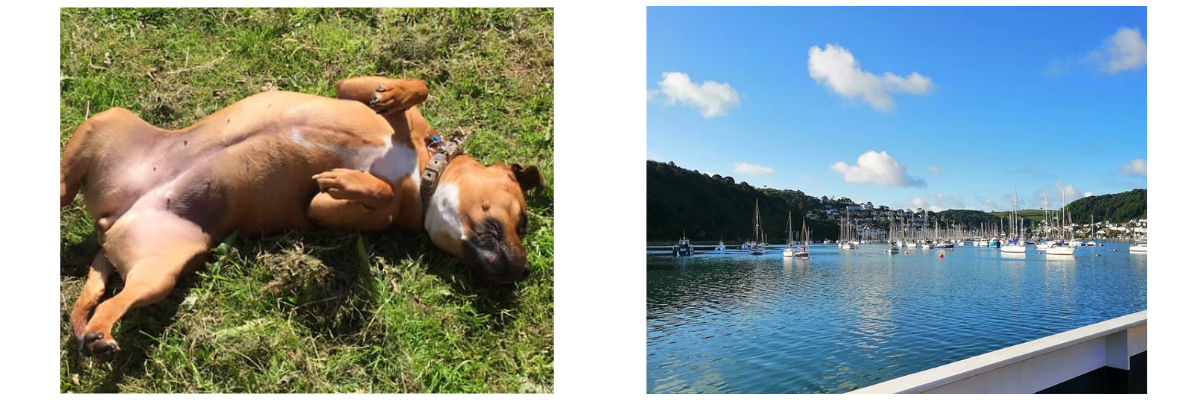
{"points": [[528, 177]]}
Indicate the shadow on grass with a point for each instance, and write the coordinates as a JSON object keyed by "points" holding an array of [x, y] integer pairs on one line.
{"points": [[331, 296], [137, 333]]}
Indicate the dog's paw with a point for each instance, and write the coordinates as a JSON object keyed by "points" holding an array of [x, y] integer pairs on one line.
{"points": [[94, 345], [384, 101], [337, 182]]}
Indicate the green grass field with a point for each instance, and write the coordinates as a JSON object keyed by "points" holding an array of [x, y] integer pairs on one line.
{"points": [[322, 311]]}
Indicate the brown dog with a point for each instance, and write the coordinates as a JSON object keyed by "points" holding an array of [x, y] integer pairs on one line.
{"points": [[277, 161]]}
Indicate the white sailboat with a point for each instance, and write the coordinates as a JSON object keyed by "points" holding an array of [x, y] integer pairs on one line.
{"points": [[789, 248], [1061, 247], [892, 247], [757, 247], [1013, 244], [802, 251], [846, 241]]}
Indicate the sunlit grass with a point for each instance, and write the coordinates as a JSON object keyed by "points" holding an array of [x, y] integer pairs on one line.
{"points": [[322, 311]]}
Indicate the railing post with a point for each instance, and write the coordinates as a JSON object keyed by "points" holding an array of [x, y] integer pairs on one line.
{"points": [[1116, 347]]}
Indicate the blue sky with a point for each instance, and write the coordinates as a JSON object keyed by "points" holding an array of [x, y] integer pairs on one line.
{"points": [[947, 108]]}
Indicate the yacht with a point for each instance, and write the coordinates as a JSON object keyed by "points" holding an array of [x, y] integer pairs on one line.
{"points": [[758, 246], [1139, 246], [802, 251], [790, 247]]}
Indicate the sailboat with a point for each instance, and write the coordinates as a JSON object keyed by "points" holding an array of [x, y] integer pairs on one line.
{"points": [[1092, 233], [892, 247], [802, 251], [789, 248], [1043, 244], [846, 242], [1061, 248], [1013, 244], [757, 247]]}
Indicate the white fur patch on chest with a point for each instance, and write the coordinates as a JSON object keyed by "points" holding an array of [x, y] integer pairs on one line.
{"points": [[442, 220], [393, 162]]}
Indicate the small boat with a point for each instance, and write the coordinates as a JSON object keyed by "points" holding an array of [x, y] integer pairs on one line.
{"points": [[758, 246], [1013, 246], [1060, 249], [684, 248], [802, 252], [1139, 246], [1063, 247], [790, 247]]}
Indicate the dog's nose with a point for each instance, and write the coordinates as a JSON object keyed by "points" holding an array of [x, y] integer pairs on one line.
{"points": [[525, 271]]}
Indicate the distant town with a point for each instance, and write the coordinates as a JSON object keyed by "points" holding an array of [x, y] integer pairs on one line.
{"points": [[874, 221]]}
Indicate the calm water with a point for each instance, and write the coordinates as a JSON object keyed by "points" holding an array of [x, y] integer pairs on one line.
{"points": [[847, 319]]}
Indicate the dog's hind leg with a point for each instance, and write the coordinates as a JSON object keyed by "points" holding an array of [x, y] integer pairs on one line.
{"points": [[93, 289], [385, 95], [151, 252]]}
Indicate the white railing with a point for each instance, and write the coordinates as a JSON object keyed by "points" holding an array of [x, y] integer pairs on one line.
{"points": [[1032, 366]]}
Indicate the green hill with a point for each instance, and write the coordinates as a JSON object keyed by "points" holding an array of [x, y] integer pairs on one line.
{"points": [[1118, 207], [711, 208]]}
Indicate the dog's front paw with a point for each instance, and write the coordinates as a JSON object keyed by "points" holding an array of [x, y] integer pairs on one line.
{"points": [[94, 345], [384, 101]]}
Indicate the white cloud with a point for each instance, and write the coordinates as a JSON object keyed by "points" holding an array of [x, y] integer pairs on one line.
{"points": [[1087, 194], [752, 169], [915, 203], [946, 202], [712, 99], [1123, 51], [878, 168], [1069, 190], [1053, 198], [1135, 167], [835, 68], [709, 173], [934, 170]]}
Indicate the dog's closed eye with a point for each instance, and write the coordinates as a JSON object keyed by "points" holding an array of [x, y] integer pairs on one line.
{"points": [[523, 225]]}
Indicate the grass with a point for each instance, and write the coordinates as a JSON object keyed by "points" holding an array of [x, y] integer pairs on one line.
{"points": [[322, 311]]}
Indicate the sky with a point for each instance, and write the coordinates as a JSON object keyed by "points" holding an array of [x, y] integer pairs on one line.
{"points": [[905, 107]]}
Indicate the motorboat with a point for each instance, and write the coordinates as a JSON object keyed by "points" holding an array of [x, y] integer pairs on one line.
{"points": [[1139, 246], [684, 248]]}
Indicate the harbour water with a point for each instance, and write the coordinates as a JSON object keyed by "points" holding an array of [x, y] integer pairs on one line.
{"points": [[846, 319]]}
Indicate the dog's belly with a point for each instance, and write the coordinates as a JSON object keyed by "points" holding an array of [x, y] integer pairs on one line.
{"points": [[248, 167]]}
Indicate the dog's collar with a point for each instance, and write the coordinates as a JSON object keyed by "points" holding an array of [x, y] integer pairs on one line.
{"points": [[443, 151]]}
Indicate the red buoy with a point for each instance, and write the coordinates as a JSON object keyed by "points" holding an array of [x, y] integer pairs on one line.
{"points": [[941, 256]]}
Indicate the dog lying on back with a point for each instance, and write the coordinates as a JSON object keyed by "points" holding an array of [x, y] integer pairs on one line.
{"points": [[280, 161]]}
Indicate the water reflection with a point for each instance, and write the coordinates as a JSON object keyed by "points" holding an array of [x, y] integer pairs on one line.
{"points": [[846, 319]]}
